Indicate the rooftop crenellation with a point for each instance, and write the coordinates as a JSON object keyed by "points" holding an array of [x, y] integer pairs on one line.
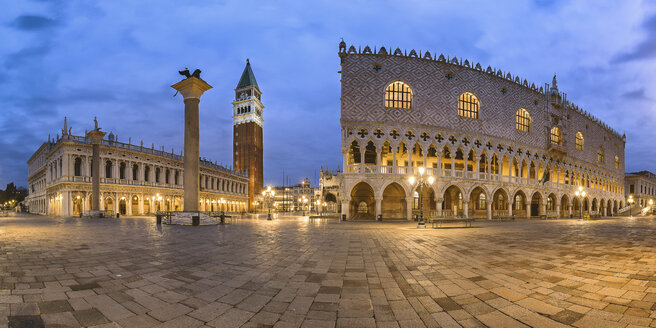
{"points": [[546, 90]]}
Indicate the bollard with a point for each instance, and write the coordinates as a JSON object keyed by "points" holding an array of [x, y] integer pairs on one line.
{"points": [[159, 218], [195, 220], [343, 217], [222, 218], [118, 215], [380, 217]]}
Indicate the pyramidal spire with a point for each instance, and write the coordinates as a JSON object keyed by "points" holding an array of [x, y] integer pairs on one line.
{"points": [[247, 77]]}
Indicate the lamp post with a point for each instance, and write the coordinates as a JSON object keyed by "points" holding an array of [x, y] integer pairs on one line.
{"points": [[630, 201], [268, 196], [580, 194], [421, 181]]}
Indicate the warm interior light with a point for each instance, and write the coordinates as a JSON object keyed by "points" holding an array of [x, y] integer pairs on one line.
{"points": [[412, 180], [421, 170], [431, 180]]}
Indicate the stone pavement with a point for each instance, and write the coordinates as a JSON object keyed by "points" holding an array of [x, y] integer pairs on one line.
{"points": [[287, 272]]}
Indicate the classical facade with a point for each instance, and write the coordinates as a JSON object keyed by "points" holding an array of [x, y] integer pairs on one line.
{"points": [[247, 128], [641, 186], [494, 143], [134, 179]]}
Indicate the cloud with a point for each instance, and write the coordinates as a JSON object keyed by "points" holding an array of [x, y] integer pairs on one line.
{"points": [[638, 94], [645, 49], [33, 23]]}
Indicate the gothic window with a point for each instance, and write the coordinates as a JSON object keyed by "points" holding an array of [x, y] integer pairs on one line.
{"points": [[78, 166], [398, 95], [501, 203], [579, 140], [157, 170], [468, 105], [617, 162], [523, 120], [556, 136], [363, 208]]}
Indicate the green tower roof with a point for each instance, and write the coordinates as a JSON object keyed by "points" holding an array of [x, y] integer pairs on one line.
{"points": [[247, 77]]}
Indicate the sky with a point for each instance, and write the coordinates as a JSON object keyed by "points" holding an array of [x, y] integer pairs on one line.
{"points": [[117, 59]]}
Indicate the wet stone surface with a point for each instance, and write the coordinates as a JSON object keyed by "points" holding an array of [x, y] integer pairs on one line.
{"points": [[287, 272]]}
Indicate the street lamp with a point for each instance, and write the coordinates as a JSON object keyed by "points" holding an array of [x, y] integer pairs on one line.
{"points": [[268, 196], [580, 194], [421, 181], [630, 201]]}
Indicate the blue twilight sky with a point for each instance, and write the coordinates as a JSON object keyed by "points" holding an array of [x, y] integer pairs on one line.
{"points": [[117, 59]]}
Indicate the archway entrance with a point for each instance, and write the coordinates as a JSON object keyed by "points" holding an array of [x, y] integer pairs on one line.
{"points": [[109, 205], [428, 200], [564, 205], [362, 202], [536, 201], [77, 206], [519, 204], [394, 205], [331, 203], [452, 205], [500, 203], [147, 206], [122, 206], [135, 205], [477, 203]]}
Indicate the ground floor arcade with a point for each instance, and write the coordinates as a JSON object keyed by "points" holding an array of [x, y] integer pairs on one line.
{"points": [[397, 199]]}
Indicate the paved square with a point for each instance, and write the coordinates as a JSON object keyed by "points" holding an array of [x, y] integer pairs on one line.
{"points": [[290, 273]]}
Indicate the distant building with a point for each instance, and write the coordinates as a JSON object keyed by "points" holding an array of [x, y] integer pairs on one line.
{"points": [[295, 198], [134, 179], [495, 143], [329, 189], [642, 186]]}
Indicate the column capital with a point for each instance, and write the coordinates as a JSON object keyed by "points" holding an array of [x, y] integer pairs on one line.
{"points": [[191, 87]]}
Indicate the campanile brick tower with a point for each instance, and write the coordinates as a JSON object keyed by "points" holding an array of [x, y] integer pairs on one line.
{"points": [[247, 128]]}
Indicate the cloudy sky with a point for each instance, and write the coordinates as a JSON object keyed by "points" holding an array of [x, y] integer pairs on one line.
{"points": [[117, 59]]}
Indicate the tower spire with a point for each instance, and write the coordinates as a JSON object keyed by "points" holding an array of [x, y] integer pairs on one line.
{"points": [[247, 77]]}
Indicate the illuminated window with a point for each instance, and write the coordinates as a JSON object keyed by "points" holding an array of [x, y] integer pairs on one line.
{"points": [[617, 162], [579, 140], [600, 156], [415, 202], [556, 136], [501, 203], [468, 105], [523, 120], [398, 95], [481, 201]]}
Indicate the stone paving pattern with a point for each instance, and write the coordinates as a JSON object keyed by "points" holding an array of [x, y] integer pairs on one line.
{"points": [[290, 273]]}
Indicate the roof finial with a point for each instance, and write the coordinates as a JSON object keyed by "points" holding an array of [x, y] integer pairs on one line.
{"points": [[554, 84]]}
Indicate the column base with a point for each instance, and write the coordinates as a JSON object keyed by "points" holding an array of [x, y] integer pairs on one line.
{"points": [[96, 214], [187, 218]]}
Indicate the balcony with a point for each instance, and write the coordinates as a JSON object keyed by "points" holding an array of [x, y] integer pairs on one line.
{"points": [[557, 150]]}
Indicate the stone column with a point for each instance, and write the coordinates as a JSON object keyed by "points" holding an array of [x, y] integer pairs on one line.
{"points": [[438, 206], [96, 137], [510, 207], [569, 210], [345, 208], [379, 209], [527, 209], [66, 203], [465, 208], [408, 206], [192, 89], [488, 206]]}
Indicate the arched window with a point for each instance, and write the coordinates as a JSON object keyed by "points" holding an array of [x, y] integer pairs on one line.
{"points": [[398, 95], [600, 156], [147, 173], [617, 162], [556, 136], [108, 169], [468, 105], [135, 171], [78, 166], [121, 170], [481, 201], [579, 140], [157, 173], [523, 120]]}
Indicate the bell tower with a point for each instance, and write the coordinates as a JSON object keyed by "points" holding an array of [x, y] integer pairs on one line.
{"points": [[247, 132]]}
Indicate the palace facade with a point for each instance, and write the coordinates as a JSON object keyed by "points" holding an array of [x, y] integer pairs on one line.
{"points": [[135, 180], [495, 144]]}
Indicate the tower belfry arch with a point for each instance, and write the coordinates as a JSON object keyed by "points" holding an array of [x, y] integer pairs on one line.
{"points": [[247, 109]]}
